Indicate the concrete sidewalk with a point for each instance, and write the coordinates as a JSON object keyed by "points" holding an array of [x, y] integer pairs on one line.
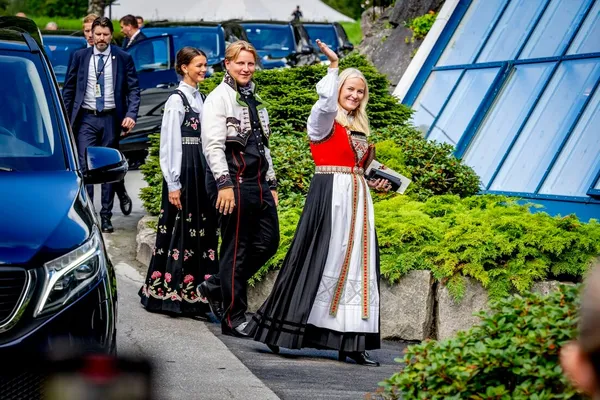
{"points": [[189, 360]]}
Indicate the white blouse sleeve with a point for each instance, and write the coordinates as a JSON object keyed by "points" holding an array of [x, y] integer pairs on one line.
{"points": [[323, 113], [170, 142]]}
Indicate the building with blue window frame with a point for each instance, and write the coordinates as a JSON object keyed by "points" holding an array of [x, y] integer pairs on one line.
{"points": [[514, 86]]}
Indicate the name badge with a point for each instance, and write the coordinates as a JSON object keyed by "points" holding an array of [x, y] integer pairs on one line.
{"points": [[98, 91]]}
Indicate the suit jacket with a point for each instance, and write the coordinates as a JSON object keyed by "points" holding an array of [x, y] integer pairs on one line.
{"points": [[125, 84], [140, 36]]}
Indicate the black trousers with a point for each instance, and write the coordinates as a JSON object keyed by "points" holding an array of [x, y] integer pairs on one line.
{"points": [[100, 130], [249, 238]]}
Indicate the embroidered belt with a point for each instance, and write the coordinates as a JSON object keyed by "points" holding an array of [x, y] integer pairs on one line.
{"points": [[357, 185], [333, 169], [190, 140]]}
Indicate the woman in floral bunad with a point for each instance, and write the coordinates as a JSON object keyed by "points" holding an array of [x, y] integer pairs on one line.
{"points": [[327, 293], [186, 237]]}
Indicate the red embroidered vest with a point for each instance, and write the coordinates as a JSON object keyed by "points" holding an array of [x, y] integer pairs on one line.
{"points": [[341, 148]]}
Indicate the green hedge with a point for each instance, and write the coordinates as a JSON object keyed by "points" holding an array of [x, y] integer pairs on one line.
{"points": [[492, 239], [512, 354]]}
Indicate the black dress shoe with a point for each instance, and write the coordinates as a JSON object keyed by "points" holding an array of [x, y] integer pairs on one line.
{"points": [[238, 331], [273, 348], [125, 203], [360, 357], [215, 306], [107, 226]]}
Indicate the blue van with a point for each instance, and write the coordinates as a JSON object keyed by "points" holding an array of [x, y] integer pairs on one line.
{"points": [[57, 282]]}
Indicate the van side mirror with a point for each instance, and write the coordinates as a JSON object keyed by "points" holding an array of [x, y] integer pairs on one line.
{"points": [[104, 165]]}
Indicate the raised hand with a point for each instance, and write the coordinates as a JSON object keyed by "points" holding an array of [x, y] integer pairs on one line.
{"points": [[330, 54]]}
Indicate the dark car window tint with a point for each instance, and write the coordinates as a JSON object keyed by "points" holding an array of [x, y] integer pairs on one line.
{"points": [[325, 33], [29, 137], [59, 52], [207, 39], [271, 37]]}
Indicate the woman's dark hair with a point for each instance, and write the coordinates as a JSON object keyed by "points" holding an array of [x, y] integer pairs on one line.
{"points": [[185, 56], [104, 22]]}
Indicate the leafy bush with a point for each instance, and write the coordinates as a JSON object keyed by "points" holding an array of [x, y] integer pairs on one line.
{"points": [[420, 26], [512, 354], [151, 195], [431, 165]]}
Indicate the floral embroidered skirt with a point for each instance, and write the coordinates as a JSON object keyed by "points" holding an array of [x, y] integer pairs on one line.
{"points": [[186, 244]]}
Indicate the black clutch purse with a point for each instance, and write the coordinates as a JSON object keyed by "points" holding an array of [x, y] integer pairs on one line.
{"points": [[381, 174]]}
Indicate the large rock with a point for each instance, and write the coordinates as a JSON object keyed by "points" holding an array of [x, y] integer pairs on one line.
{"points": [[452, 315], [407, 307], [145, 239], [258, 293], [546, 287], [386, 41]]}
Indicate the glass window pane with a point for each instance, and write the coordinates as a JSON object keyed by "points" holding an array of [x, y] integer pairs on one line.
{"points": [[432, 98], [554, 30], [587, 39], [511, 31], [505, 117], [578, 163], [597, 185], [457, 114], [539, 141], [471, 32]]}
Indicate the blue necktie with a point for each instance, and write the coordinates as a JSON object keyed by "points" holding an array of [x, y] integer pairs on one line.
{"points": [[100, 74]]}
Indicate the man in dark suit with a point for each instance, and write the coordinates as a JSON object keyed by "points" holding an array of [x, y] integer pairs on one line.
{"points": [[131, 30], [102, 97]]}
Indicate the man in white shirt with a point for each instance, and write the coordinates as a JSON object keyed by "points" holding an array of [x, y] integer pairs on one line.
{"points": [[102, 98]]}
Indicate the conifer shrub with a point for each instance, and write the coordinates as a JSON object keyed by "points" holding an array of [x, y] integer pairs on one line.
{"points": [[512, 354]]}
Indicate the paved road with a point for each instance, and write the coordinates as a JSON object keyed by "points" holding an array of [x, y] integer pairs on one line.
{"points": [[194, 361]]}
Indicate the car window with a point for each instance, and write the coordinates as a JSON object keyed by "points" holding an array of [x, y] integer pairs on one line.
{"points": [[29, 136], [59, 52], [325, 33], [271, 37], [207, 39]]}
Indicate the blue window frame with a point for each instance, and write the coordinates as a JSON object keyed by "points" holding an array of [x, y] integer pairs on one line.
{"points": [[511, 31], [430, 103], [526, 128], [506, 115], [552, 33], [472, 32], [462, 104], [574, 170], [586, 40], [539, 140]]}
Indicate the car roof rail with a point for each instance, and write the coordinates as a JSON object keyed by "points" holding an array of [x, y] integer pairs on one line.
{"points": [[25, 26]]}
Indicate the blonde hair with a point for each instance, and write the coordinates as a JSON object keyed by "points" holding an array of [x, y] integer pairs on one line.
{"points": [[89, 18], [355, 120], [234, 49]]}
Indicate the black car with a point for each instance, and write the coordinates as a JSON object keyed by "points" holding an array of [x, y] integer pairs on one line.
{"points": [[57, 283], [281, 43], [331, 33]]}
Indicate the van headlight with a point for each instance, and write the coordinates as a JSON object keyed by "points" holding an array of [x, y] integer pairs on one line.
{"points": [[68, 275]]}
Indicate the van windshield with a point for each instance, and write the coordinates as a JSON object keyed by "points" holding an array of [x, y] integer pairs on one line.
{"points": [[29, 136]]}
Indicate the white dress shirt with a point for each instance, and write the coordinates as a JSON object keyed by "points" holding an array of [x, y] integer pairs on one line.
{"points": [[89, 100], [170, 133], [132, 38], [323, 113]]}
